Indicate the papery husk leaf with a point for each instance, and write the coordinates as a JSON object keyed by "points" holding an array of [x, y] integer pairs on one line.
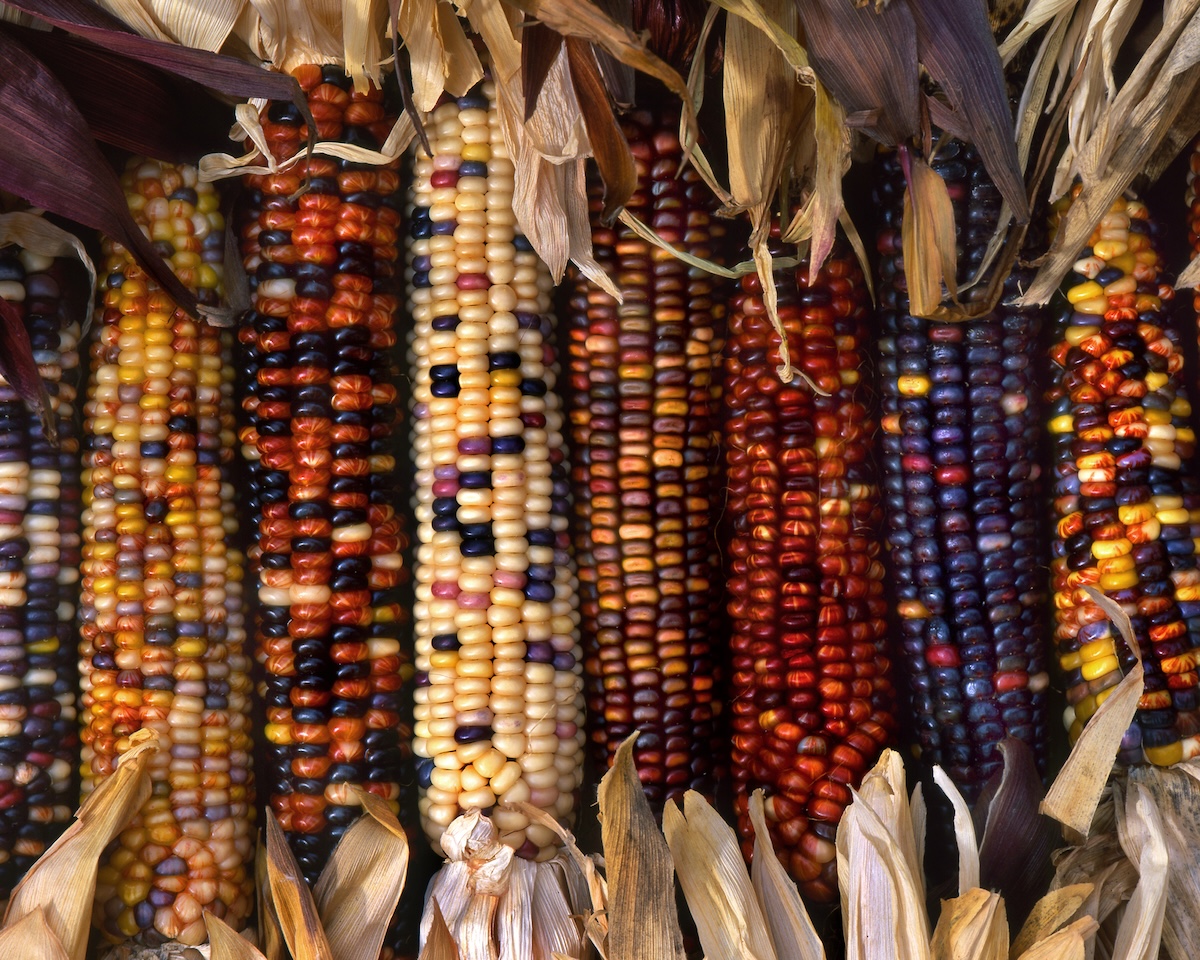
{"points": [[62, 883], [539, 49], [964, 833], [58, 167], [642, 920], [712, 873], [868, 61], [298, 917], [20, 370], [270, 935], [736, 272], [696, 79], [1177, 796], [884, 790], [360, 885], [832, 161], [918, 814], [609, 146], [1141, 833], [1069, 943], [439, 945], [972, 926], [225, 943], [792, 932], [1049, 914], [1037, 14], [204, 26], [928, 239], [36, 234], [954, 43], [514, 913], [764, 16], [31, 938], [1014, 854], [619, 78], [556, 929]]}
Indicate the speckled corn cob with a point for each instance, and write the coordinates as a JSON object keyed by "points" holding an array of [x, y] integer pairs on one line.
{"points": [[499, 689], [644, 412], [960, 435], [39, 574], [813, 702], [1126, 497], [321, 409], [162, 630]]}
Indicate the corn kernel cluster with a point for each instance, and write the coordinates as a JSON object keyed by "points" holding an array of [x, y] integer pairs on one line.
{"points": [[644, 407], [498, 714], [812, 696], [39, 574], [320, 408], [162, 635], [961, 422], [1126, 495]]}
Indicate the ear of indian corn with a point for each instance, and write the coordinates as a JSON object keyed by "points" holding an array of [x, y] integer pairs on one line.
{"points": [[1127, 497], [162, 634], [644, 407], [812, 697], [498, 714], [39, 574], [960, 436], [320, 410]]}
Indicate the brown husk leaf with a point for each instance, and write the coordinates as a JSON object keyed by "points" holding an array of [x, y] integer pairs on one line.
{"points": [[1049, 914], [928, 239], [1069, 943], [31, 938], [439, 944], [225, 943], [62, 884], [972, 926], [270, 934], [298, 917]]}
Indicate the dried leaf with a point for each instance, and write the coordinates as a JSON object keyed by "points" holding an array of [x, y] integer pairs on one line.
{"points": [[792, 932], [928, 237], [833, 160], [1014, 855], [360, 886], [712, 873], [62, 884], [1067, 944], [643, 923], [514, 913], [1048, 914], [972, 926], [225, 942], [270, 934], [38, 235], [439, 945], [1141, 834], [964, 833], [20, 370], [204, 26], [31, 938], [609, 146], [298, 918], [555, 926], [539, 49]]}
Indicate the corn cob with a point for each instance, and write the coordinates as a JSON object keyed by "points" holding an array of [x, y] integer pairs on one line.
{"points": [[498, 714], [1192, 199], [39, 556], [162, 635], [960, 435], [1126, 499], [644, 406], [812, 693], [320, 410]]}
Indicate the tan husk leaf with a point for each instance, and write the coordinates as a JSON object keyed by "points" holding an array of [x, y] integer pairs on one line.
{"points": [[38, 235], [298, 918], [31, 938], [791, 928], [441, 56], [1073, 797], [439, 944], [62, 883], [270, 935], [1140, 830], [203, 26], [642, 920], [1048, 914], [1070, 943], [972, 926], [514, 913], [556, 928], [713, 876], [225, 943], [964, 833], [361, 883], [928, 240]]}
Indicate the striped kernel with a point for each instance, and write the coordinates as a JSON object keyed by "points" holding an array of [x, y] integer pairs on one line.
{"points": [[644, 408], [162, 635], [39, 572], [962, 488], [1126, 494], [498, 712], [320, 408], [812, 697]]}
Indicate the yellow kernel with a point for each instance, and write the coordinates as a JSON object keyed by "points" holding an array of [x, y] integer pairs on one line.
{"points": [[1096, 649], [1102, 666], [1119, 581], [1096, 306], [913, 386], [1064, 423], [278, 734], [1109, 249], [1107, 549], [1165, 756], [1085, 291]]}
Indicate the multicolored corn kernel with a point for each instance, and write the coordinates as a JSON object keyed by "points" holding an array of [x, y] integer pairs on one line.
{"points": [[320, 410], [960, 436], [39, 574], [162, 634], [812, 696], [499, 697], [1126, 495], [644, 406]]}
